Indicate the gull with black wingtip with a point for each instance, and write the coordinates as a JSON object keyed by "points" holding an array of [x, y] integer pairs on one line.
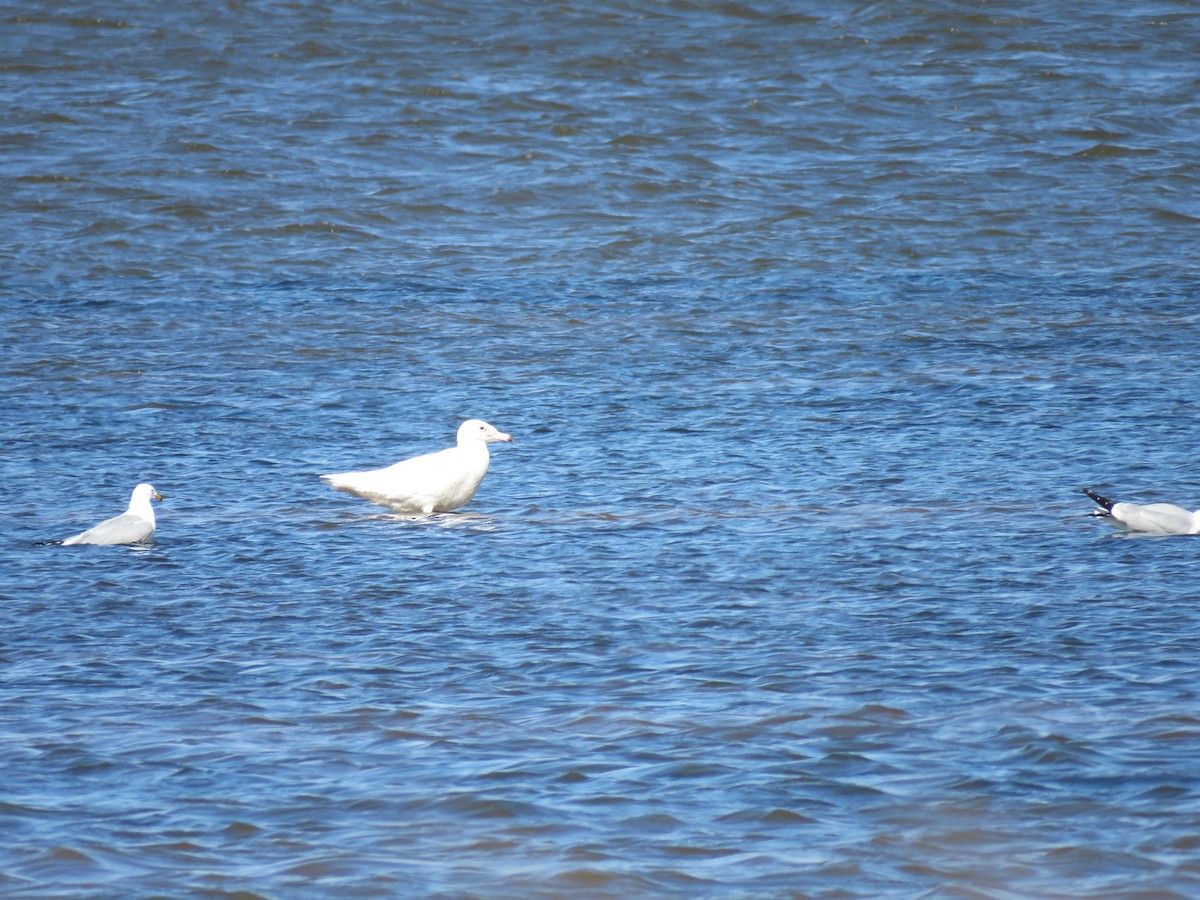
{"points": [[1153, 518]]}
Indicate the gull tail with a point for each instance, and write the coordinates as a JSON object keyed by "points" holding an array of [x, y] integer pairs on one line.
{"points": [[1103, 501]]}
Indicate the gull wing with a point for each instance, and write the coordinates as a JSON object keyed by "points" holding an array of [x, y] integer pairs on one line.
{"points": [[123, 529], [1155, 518]]}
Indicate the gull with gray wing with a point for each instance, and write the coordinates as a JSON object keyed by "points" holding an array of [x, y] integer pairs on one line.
{"points": [[1153, 518], [134, 526]]}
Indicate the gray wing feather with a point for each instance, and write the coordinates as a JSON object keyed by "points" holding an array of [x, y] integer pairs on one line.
{"points": [[1156, 518], [122, 529]]}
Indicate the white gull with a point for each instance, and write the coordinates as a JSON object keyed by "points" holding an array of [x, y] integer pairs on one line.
{"points": [[133, 526], [1154, 518], [435, 482]]}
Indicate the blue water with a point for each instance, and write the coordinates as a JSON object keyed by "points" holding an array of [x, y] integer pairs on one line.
{"points": [[809, 324]]}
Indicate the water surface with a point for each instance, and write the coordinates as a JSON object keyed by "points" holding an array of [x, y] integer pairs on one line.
{"points": [[809, 324]]}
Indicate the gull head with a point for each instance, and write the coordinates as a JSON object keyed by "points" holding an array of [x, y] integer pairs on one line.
{"points": [[145, 493], [479, 430]]}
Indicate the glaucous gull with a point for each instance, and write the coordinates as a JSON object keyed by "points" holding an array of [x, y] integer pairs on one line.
{"points": [[435, 482]]}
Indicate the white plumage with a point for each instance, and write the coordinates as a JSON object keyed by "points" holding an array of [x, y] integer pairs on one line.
{"points": [[1153, 518], [133, 526], [435, 482]]}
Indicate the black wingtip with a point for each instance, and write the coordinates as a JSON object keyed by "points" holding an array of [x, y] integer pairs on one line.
{"points": [[1103, 501]]}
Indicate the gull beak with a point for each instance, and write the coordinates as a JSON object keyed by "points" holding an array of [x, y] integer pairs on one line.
{"points": [[501, 436], [158, 496]]}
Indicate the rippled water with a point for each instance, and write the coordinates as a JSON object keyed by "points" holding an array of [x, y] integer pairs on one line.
{"points": [[809, 325]]}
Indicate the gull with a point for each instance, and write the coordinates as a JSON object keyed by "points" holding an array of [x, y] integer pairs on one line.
{"points": [[134, 526], [1154, 518], [435, 482]]}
